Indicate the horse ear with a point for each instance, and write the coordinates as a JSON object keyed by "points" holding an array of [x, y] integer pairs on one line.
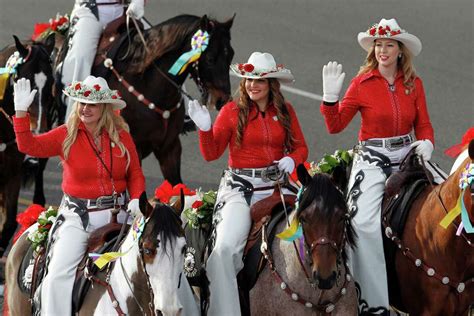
{"points": [[206, 24], [50, 42], [471, 149], [178, 205], [228, 24], [145, 206], [19, 46], [303, 175], [339, 177]]}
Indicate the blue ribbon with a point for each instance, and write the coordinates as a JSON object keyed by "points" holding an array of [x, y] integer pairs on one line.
{"points": [[465, 218], [199, 43]]}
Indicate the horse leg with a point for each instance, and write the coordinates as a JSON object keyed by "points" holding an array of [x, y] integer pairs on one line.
{"points": [[38, 197], [169, 158], [18, 303], [11, 193]]}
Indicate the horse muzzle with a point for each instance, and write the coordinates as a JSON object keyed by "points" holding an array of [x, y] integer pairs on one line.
{"points": [[324, 283]]}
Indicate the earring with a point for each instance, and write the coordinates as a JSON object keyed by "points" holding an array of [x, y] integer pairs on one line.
{"points": [[400, 55]]}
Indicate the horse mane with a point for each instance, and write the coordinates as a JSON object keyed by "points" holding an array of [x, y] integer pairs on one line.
{"points": [[161, 39], [166, 224], [323, 190]]}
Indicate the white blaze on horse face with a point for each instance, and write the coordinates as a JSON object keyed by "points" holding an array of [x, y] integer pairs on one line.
{"points": [[164, 272], [40, 81]]}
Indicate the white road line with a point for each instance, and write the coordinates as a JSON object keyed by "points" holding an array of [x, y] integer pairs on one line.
{"points": [[296, 91]]}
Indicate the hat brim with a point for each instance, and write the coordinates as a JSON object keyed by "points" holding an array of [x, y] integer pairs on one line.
{"points": [[283, 75], [412, 43], [117, 104]]}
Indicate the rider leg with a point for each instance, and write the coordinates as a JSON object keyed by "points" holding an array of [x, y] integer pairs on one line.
{"points": [[225, 260], [69, 242], [78, 62]]}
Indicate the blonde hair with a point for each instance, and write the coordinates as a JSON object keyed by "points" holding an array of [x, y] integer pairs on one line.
{"points": [[278, 100], [109, 121], [404, 63]]}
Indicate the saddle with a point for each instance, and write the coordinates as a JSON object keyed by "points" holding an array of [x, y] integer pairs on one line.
{"points": [[32, 267], [402, 189]]}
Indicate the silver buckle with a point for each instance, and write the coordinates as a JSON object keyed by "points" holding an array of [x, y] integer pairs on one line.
{"points": [[105, 201], [271, 173]]}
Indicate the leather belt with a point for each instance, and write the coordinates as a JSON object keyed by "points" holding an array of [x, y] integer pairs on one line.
{"points": [[249, 172], [389, 143], [271, 173], [104, 202]]}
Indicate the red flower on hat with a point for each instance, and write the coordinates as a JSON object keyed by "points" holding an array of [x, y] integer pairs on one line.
{"points": [[114, 97], [393, 33], [87, 93], [97, 87], [382, 31], [248, 67], [372, 31], [78, 86], [240, 66]]}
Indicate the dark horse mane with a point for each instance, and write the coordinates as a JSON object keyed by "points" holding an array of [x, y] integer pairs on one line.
{"points": [[327, 195], [166, 223], [161, 39]]}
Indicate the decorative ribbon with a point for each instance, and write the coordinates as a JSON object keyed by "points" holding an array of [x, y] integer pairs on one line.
{"points": [[100, 260], [452, 214], [12, 63], [137, 227], [199, 43], [293, 232]]}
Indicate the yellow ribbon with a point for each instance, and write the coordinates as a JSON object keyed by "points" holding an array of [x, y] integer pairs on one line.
{"points": [[293, 232], [108, 257], [452, 214]]}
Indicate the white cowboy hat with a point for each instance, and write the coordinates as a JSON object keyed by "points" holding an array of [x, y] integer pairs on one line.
{"points": [[94, 90], [262, 65], [389, 29]]}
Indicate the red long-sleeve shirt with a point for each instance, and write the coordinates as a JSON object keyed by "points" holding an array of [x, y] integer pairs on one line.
{"points": [[385, 113], [263, 138], [84, 176]]}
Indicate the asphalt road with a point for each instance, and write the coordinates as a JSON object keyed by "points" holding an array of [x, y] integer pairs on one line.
{"points": [[304, 35]]}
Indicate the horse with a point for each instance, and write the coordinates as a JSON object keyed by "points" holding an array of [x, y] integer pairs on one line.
{"points": [[144, 281], [155, 109], [321, 284], [36, 66], [434, 267]]}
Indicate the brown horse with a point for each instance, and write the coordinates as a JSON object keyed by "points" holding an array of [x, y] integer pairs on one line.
{"points": [[435, 267], [155, 108], [147, 280], [36, 67], [321, 283]]}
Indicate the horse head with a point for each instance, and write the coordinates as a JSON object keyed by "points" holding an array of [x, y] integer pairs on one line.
{"points": [[326, 224], [36, 66], [162, 245], [213, 67]]}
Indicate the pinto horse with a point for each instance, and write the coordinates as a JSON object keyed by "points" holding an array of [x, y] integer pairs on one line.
{"points": [[36, 66], [435, 267], [147, 280], [155, 109], [321, 283]]}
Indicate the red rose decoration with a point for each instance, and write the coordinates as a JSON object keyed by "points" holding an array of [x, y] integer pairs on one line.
{"points": [[97, 87], [240, 66], [119, 94], [393, 33], [372, 31], [87, 93], [387, 28], [382, 31], [78, 86], [197, 204], [114, 97], [248, 67], [62, 20]]}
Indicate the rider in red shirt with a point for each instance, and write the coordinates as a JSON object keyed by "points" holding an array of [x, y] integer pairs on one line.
{"points": [[260, 129], [99, 162]]}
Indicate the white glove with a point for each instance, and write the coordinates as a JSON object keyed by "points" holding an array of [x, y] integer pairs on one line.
{"points": [[23, 95], [200, 115], [424, 148], [134, 208], [286, 164], [136, 9], [333, 78]]}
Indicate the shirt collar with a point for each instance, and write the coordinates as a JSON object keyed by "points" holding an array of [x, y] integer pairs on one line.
{"points": [[376, 73]]}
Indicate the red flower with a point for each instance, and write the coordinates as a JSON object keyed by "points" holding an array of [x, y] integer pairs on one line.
{"points": [[387, 28], [382, 31], [165, 191], [78, 86], [87, 93], [62, 20], [372, 31], [248, 67], [240, 66], [393, 33], [28, 218], [197, 204], [97, 87], [114, 97]]}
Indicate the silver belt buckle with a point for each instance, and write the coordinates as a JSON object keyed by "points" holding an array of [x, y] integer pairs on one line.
{"points": [[271, 173], [104, 202]]}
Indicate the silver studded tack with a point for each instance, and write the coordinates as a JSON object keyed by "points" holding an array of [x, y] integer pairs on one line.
{"points": [[151, 106], [418, 262], [343, 291], [115, 304], [283, 285], [166, 114], [131, 89], [461, 287], [141, 97], [308, 304], [445, 280], [330, 308], [294, 296], [430, 272]]}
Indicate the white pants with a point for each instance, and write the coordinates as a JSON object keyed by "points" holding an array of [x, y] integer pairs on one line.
{"points": [[68, 248], [79, 59], [225, 260]]}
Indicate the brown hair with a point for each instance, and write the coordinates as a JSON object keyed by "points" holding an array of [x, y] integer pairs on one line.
{"points": [[275, 97], [404, 63]]}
